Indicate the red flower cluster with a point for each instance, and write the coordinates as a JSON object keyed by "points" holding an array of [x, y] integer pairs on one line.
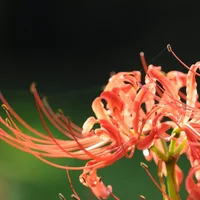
{"points": [[151, 115]]}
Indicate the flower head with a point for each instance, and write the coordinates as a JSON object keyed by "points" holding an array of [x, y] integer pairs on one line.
{"points": [[152, 115]]}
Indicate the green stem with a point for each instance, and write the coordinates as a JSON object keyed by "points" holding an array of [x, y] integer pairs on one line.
{"points": [[172, 147], [171, 179], [178, 150], [165, 147], [159, 153]]}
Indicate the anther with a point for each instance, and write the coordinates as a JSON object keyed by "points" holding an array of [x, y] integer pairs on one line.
{"points": [[169, 48], [8, 122], [73, 196], [60, 111], [141, 53], [61, 196], [32, 87], [143, 165], [4, 107], [100, 179], [83, 180], [44, 99], [142, 197]]}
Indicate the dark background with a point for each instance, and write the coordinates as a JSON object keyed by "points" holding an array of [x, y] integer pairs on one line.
{"points": [[76, 44]]}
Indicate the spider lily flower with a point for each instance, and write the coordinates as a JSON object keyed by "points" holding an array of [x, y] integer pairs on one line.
{"points": [[165, 114], [123, 123], [102, 151], [185, 117], [182, 111], [78, 146], [120, 129], [130, 109], [129, 114]]}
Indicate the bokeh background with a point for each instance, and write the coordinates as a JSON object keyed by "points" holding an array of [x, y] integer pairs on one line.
{"points": [[69, 49]]}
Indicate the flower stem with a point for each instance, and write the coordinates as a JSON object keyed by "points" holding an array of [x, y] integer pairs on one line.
{"points": [[159, 153], [171, 179]]}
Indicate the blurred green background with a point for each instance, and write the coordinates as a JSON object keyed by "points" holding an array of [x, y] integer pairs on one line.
{"points": [[24, 177]]}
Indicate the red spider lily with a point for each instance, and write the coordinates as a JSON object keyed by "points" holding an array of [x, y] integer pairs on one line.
{"points": [[78, 146], [124, 124], [129, 110], [183, 113], [183, 109], [130, 115], [170, 106]]}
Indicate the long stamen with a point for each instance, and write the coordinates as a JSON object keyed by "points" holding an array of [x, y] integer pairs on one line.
{"points": [[71, 185], [68, 125], [145, 167], [45, 111], [28, 149], [58, 118], [160, 176], [98, 158], [50, 134], [114, 196], [143, 61], [20, 120], [169, 48], [158, 88], [74, 197], [61, 196]]}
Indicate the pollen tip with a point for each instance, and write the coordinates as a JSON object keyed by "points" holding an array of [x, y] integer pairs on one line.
{"points": [[141, 53], [4, 106], [61, 196], [8, 122], [142, 197], [143, 165], [60, 111], [74, 197], [169, 48], [44, 99], [32, 87]]}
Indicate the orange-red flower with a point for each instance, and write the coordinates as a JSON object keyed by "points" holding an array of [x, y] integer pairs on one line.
{"points": [[125, 112], [102, 151], [130, 114]]}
